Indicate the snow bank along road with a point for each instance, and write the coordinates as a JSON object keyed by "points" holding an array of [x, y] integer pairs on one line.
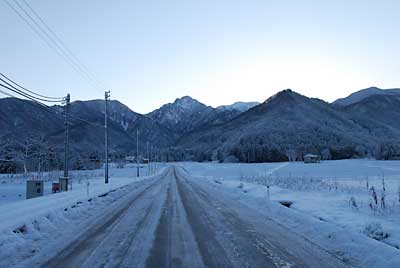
{"points": [[172, 221]]}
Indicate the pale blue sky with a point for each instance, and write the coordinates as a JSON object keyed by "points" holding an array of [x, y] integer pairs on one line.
{"points": [[151, 52]]}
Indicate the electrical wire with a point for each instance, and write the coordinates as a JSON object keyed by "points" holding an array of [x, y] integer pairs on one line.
{"points": [[62, 43], [32, 102], [30, 91], [40, 35], [50, 42], [46, 34], [26, 95], [48, 108]]}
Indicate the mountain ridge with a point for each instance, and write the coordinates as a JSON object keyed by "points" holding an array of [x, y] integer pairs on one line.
{"points": [[286, 125], [365, 93]]}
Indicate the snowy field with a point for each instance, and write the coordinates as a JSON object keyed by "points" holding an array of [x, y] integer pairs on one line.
{"points": [[331, 211], [337, 192], [13, 186], [29, 226]]}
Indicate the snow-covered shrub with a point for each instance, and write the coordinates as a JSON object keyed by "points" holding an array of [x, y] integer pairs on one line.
{"points": [[353, 203], [383, 195], [375, 231], [373, 201], [303, 183]]}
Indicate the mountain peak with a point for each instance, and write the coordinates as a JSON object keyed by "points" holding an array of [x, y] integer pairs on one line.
{"points": [[238, 106], [182, 114], [186, 101], [373, 88], [287, 93], [365, 93], [185, 98]]}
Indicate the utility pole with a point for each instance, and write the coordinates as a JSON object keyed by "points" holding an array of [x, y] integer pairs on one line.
{"points": [[147, 150], [151, 158], [107, 99], [67, 101], [137, 152], [148, 157]]}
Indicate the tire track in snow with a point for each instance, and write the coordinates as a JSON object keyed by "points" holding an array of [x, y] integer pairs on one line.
{"points": [[77, 253], [174, 245]]}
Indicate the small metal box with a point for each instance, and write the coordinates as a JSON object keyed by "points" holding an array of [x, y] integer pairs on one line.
{"points": [[34, 188]]}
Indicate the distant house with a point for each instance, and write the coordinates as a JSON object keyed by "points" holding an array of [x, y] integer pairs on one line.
{"points": [[130, 159], [312, 158]]}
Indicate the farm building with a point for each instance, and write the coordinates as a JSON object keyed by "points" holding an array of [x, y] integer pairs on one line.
{"points": [[312, 158]]}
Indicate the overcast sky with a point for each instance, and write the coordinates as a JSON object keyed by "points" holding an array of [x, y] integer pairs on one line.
{"points": [[150, 52]]}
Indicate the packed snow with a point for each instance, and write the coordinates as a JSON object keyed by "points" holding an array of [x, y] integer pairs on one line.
{"points": [[332, 206], [29, 226], [331, 192], [13, 186]]}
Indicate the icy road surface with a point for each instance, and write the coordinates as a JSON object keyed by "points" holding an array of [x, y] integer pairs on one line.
{"points": [[172, 221]]}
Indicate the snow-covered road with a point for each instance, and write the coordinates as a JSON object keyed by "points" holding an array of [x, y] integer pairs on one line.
{"points": [[174, 221]]}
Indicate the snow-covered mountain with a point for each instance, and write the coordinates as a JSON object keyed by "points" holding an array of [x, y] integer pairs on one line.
{"points": [[286, 123], [183, 115], [365, 93], [187, 114], [291, 124], [239, 106], [379, 114], [24, 122]]}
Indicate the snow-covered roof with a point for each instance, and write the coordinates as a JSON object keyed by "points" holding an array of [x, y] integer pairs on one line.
{"points": [[311, 155]]}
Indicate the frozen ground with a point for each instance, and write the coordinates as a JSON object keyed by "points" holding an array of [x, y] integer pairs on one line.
{"points": [[331, 191], [13, 187], [29, 226], [167, 220], [219, 217]]}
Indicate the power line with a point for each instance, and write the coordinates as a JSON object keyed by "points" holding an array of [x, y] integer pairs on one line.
{"points": [[62, 43], [37, 100], [87, 122], [56, 46], [46, 34], [32, 102], [49, 40], [26, 95], [59, 45], [45, 107], [39, 34], [32, 92]]}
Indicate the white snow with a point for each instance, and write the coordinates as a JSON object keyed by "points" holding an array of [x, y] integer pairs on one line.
{"points": [[322, 210], [330, 204], [15, 212], [13, 186], [35, 225], [239, 106], [365, 93]]}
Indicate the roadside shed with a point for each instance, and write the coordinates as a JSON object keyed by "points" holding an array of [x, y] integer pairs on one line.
{"points": [[312, 158]]}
